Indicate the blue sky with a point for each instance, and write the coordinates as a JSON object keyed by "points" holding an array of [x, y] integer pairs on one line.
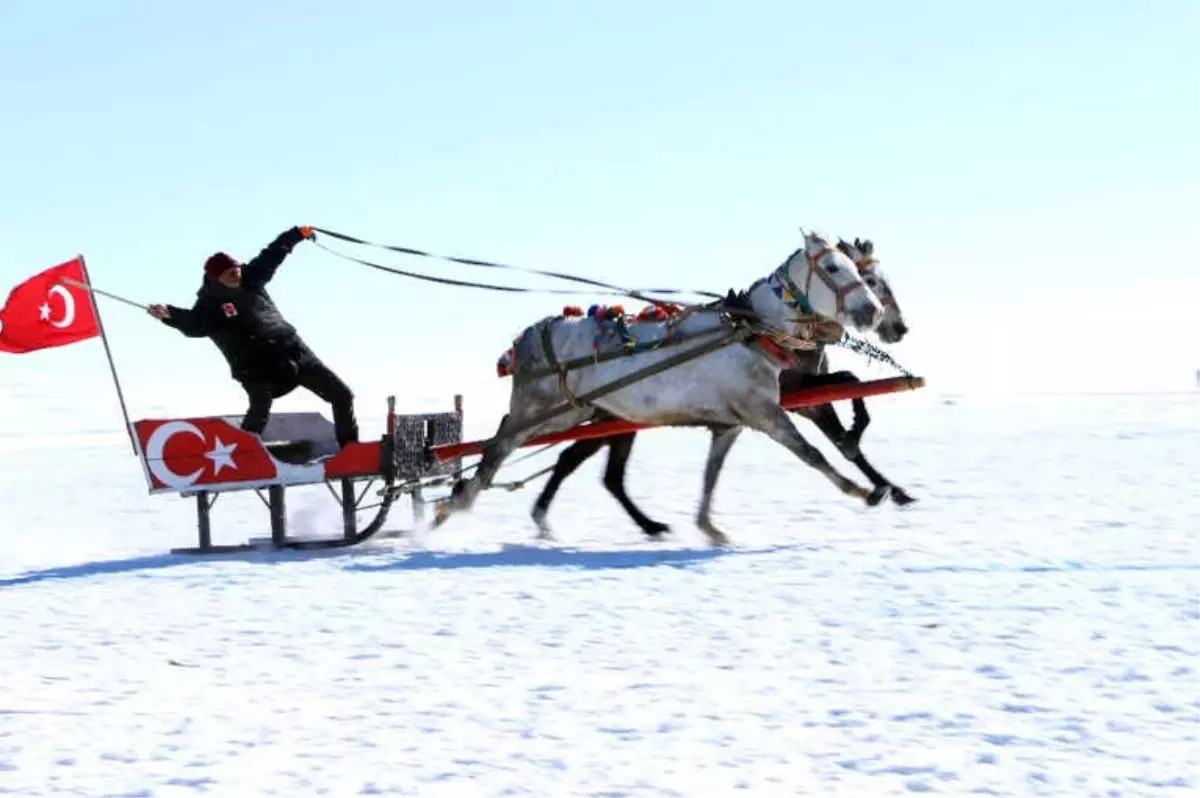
{"points": [[1030, 172]]}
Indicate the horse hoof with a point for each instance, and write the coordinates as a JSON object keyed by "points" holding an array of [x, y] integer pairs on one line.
{"points": [[543, 529], [900, 497], [715, 536], [656, 530], [878, 495]]}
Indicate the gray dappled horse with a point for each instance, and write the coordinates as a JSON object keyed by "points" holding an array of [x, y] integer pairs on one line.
{"points": [[811, 371], [726, 389]]}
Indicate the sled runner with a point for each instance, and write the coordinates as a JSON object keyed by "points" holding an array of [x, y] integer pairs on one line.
{"points": [[205, 457]]}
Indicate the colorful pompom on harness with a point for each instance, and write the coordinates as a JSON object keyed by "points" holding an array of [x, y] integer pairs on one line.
{"points": [[611, 322]]}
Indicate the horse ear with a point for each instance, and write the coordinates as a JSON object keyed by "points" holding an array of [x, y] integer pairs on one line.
{"points": [[868, 247]]}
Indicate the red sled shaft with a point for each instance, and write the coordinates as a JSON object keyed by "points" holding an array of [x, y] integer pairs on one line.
{"points": [[807, 397]]}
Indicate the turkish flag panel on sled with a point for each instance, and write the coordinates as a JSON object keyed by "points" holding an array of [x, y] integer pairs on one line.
{"points": [[199, 453], [186, 455], [43, 312]]}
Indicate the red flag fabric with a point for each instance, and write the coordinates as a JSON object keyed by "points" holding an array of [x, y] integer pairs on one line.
{"points": [[42, 312]]}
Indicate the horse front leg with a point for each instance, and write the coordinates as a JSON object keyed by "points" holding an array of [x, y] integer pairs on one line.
{"points": [[825, 416], [722, 441], [619, 449], [773, 422], [826, 419], [849, 443], [572, 457]]}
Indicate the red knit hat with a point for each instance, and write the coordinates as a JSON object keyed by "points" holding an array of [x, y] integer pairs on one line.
{"points": [[217, 264]]}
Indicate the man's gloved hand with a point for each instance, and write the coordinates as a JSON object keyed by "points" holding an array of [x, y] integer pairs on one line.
{"points": [[306, 232], [159, 311]]}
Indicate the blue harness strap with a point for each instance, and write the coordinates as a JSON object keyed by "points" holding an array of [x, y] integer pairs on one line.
{"points": [[787, 291]]}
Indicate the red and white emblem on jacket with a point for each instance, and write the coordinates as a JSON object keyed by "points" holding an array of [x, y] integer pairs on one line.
{"points": [[230, 310], [196, 452]]}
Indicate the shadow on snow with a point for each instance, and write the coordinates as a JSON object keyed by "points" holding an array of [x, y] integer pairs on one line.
{"points": [[508, 556], [517, 556]]}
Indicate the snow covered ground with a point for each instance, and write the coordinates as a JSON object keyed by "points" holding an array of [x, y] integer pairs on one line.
{"points": [[1030, 627]]}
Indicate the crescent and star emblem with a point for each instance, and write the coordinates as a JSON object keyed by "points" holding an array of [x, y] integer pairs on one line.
{"points": [[68, 317], [221, 454]]}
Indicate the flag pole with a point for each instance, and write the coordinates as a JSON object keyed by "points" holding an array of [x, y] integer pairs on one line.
{"points": [[108, 353], [94, 290]]}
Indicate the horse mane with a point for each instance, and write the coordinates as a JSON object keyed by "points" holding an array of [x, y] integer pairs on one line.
{"points": [[864, 247]]}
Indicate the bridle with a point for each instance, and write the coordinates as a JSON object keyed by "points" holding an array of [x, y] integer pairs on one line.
{"points": [[866, 267], [799, 298]]}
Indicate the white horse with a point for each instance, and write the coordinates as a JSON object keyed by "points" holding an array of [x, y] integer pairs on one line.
{"points": [[731, 386], [811, 369], [892, 328]]}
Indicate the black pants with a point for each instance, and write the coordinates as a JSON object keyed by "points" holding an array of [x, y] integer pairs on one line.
{"points": [[314, 375]]}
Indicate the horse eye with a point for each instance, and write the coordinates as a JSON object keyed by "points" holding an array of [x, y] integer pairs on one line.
{"points": [[871, 281], [832, 268]]}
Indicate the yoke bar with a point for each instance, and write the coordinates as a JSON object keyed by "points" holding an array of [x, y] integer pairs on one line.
{"points": [[793, 400]]}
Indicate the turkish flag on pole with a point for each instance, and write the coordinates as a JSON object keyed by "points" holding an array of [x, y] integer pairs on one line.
{"points": [[42, 312]]}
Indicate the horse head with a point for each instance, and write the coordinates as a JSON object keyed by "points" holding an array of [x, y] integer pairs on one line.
{"points": [[892, 328], [823, 280]]}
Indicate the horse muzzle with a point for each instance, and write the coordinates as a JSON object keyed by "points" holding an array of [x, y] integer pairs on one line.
{"points": [[892, 332], [866, 316]]}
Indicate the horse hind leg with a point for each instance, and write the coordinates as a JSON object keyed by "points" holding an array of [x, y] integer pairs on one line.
{"points": [[619, 449], [571, 458], [723, 439], [773, 422], [464, 493]]}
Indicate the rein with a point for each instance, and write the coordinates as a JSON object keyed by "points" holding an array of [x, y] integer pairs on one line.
{"points": [[816, 331], [612, 290]]}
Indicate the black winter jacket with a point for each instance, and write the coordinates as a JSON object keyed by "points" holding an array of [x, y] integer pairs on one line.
{"points": [[257, 342]]}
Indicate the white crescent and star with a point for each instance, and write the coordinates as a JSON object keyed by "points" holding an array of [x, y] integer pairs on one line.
{"points": [[221, 454], [68, 317]]}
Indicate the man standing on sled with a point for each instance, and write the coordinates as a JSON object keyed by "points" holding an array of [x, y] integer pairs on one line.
{"points": [[265, 353]]}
